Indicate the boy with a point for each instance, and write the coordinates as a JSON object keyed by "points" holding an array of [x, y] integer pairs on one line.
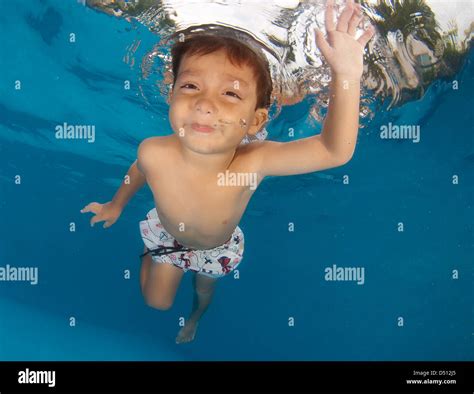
{"points": [[221, 93]]}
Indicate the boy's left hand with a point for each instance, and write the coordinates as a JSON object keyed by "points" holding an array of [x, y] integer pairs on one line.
{"points": [[342, 51]]}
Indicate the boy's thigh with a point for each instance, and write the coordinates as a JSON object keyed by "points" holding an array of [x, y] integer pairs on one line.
{"points": [[204, 283], [162, 282]]}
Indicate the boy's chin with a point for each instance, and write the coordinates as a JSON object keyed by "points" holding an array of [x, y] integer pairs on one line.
{"points": [[206, 146]]}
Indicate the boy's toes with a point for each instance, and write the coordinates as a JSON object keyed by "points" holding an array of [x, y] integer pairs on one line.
{"points": [[184, 338], [186, 334]]}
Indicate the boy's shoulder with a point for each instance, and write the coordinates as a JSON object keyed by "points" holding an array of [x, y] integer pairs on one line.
{"points": [[148, 149], [251, 154], [255, 149], [152, 144]]}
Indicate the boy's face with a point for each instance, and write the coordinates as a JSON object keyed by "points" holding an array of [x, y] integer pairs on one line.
{"points": [[210, 91]]}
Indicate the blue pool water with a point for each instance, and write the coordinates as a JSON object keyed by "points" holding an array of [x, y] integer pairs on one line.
{"points": [[408, 274]]}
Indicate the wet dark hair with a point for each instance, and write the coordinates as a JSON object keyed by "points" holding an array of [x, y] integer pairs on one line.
{"points": [[238, 53]]}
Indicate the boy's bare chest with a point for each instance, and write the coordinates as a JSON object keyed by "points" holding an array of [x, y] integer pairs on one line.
{"points": [[205, 208]]}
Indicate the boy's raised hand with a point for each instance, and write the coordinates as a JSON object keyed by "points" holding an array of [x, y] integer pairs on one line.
{"points": [[342, 51], [107, 212]]}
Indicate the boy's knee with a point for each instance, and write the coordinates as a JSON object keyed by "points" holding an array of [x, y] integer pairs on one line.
{"points": [[162, 305], [204, 291], [204, 285]]}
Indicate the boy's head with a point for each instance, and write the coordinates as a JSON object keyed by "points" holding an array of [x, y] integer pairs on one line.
{"points": [[218, 82]]}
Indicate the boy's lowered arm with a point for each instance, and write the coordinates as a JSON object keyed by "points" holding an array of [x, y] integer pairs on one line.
{"points": [[109, 212], [133, 181]]}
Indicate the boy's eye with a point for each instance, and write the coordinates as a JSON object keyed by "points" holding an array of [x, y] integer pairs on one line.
{"points": [[188, 84], [229, 92], [234, 94]]}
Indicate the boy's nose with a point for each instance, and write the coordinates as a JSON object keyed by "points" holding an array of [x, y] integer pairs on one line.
{"points": [[205, 106]]}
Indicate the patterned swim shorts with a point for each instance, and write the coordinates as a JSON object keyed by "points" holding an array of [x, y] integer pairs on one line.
{"points": [[164, 248]]}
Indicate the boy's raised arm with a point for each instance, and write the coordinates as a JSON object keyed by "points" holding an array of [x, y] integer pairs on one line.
{"points": [[336, 144]]}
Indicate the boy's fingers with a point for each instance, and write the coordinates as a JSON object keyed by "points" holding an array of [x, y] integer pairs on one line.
{"points": [[87, 208], [92, 207], [95, 219], [329, 16], [365, 38], [354, 22], [108, 223], [343, 23], [322, 44]]}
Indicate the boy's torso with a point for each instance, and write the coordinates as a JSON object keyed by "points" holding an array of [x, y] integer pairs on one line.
{"points": [[198, 211]]}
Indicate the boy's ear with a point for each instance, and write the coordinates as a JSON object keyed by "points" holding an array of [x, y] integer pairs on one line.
{"points": [[168, 81], [170, 94], [259, 120], [168, 77]]}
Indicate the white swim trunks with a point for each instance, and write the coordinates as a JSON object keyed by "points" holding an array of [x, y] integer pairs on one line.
{"points": [[164, 248]]}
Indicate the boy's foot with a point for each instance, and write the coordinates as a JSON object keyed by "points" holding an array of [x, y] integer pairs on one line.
{"points": [[187, 333]]}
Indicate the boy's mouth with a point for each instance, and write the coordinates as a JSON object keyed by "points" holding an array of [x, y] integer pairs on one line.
{"points": [[203, 128]]}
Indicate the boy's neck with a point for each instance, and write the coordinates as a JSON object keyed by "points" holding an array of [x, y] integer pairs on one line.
{"points": [[208, 163]]}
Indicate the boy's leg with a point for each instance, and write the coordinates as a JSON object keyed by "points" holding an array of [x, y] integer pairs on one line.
{"points": [[146, 264], [204, 287], [159, 282]]}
